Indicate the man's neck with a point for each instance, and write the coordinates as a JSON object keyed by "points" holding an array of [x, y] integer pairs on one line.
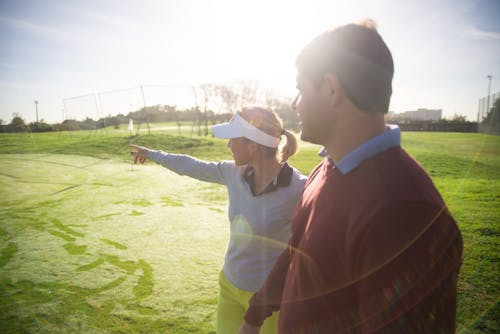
{"points": [[352, 133]]}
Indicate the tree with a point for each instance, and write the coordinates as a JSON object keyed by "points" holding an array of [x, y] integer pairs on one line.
{"points": [[287, 114], [246, 91], [209, 93], [228, 99], [40, 127], [459, 118], [17, 125], [69, 125]]}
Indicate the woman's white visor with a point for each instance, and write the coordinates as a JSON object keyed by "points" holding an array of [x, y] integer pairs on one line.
{"points": [[239, 127]]}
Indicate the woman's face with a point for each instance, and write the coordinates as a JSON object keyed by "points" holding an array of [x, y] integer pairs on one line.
{"points": [[240, 148]]}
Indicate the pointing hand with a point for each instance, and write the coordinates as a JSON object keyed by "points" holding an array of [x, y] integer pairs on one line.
{"points": [[140, 153]]}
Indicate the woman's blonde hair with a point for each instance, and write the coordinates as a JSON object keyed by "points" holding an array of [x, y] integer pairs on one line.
{"points": [[268, 121]]}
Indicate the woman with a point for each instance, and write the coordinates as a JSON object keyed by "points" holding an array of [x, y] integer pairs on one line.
{"points": [[263, 191]]}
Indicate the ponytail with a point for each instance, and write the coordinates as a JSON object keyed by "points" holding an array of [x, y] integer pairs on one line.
{"points": [[288, 147]]}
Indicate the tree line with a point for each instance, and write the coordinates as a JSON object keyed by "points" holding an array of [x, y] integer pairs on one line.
{"points": [[153, 114], [206, 117], [215, 103]]}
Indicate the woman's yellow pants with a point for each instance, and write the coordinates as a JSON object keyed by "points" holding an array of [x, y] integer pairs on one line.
{"points": [[232, 306]]}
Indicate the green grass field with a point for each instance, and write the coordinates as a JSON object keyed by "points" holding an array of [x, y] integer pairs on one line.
{"points": [[91, 244]]}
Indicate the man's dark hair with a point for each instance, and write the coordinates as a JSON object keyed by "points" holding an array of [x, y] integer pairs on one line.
{"points": [[358, 56]]}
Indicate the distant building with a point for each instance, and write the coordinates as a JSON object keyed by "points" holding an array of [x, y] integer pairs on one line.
{"points": [[420, 114]]}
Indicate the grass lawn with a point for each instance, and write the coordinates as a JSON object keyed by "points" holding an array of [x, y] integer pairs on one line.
{"points": [[90, 243]]}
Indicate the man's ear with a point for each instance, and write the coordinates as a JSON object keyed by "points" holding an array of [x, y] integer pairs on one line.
{"points": [[332, 89]]}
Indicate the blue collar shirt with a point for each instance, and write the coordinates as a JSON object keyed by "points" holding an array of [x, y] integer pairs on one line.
{"points": [[389, 139]]}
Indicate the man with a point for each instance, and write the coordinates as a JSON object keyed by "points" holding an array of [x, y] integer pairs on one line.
{"points": [[373, 247]]}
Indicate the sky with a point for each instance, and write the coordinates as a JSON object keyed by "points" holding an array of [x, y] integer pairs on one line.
{"points": [[61, 53]]}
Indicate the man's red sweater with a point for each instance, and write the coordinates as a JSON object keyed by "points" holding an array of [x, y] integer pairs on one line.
{"points": [[374, 250]]}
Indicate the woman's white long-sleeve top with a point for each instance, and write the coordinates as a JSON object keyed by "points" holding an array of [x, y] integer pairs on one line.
{"points": [[259, 225]]}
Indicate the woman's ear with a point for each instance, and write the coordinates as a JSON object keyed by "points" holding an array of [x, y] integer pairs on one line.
{"points": [[252, 147]]}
